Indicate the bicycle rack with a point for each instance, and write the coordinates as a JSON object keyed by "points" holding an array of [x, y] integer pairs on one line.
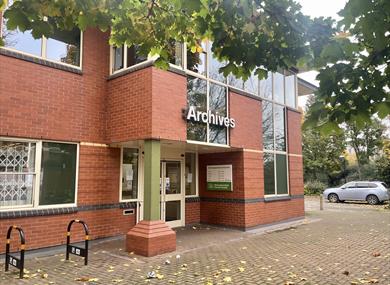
{"points": [[79, 251], [10, 259]]}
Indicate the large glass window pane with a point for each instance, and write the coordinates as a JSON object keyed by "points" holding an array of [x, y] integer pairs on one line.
{"points": [[64, 46], [175, 53], [197, 62], [190, 173], [280, 132], [266, 87], [58, 173], [118, 58], [197, 97], [17, 173], [214, 67], [281, 174], [290, 90], [269, 174], [217, 134], [172, 211], [130, 173], [217, 106], [173, 178], [279, 87], [21, 41], [268, 126], [134, 57], [235, 81], [252, 84]]}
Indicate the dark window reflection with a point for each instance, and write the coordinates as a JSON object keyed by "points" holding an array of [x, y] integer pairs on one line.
{"points": [[269, 174], [268, 126], [218, 134], [280, 132], [118, 57], [175, 53], [197, 97], [281, 174], [217, 99], [134, 56]]}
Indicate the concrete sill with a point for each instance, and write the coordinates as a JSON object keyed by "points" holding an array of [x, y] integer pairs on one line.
{"points": [[40, 61], [273, 199]]}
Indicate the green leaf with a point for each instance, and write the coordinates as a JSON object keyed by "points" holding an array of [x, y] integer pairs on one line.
{"points": [[383, 109]]}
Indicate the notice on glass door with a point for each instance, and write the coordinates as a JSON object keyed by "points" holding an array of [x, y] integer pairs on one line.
{"points": [[219, 178]]}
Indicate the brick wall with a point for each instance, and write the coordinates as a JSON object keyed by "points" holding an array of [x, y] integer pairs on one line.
{"points": [[271, 212], [248, 130], [129, 104], [169, 98], [294, 122], [192, 213], [42, 102]]}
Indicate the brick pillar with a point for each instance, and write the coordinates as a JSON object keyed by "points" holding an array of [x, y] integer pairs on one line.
{"points": [[151, 236]]}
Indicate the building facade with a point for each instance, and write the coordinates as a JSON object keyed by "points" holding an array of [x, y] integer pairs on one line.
{"points": [[98, 133]]}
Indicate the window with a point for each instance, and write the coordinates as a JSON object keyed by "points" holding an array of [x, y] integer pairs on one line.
{"points": [[274, 144], [129, 174], [26, 181], [17, 173], [290, 89], [214, 66], [190, 174], [210, 98], [62, 46], [197, 62], [58, 168], [124, 56]]}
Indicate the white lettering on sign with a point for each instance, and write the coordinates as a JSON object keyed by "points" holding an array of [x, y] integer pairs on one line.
{"points": [[209, 117]]}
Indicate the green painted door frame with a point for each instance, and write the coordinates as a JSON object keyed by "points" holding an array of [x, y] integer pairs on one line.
{"points": [[152, 151]]}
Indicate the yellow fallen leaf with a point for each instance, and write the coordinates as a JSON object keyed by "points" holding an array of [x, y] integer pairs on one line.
{"points": [[159, 276], [241, 269], [227, 279]]}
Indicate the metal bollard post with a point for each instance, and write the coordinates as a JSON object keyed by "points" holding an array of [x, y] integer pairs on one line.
{"points": [[83, 252], [321, 202], [10, 259]]}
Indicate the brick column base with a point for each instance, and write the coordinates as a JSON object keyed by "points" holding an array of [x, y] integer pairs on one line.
{"points": [[150, 238]]}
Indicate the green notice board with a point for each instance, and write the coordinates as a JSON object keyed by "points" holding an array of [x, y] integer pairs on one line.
{"points": [[219, 178]]}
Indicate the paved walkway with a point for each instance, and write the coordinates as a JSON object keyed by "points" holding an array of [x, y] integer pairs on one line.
{"points": [[335, 246]]}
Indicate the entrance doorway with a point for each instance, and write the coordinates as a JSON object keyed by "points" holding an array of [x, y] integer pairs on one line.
{"points": [[172, 193]]}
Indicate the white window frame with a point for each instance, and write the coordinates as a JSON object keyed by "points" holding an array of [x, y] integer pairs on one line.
{"points": [[36, 190], [139, 176], [149, 59], [44, 50]]}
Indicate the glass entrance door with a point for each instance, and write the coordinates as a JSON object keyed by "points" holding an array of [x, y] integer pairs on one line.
{"points": [[172, 194]]}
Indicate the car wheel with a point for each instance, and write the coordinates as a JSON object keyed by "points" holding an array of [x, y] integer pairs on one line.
{"points": [[372, 200], [333, 198]]}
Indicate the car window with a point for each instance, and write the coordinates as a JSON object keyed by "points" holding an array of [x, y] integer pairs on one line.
{"points": [[349, 185], [364, 185], [372, 185], [384, 184]]}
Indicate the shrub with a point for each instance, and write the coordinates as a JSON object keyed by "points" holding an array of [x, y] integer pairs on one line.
{"points": [[314, 187]]}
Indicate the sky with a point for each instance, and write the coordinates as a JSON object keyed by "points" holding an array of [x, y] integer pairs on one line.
{"points": [[318, 8]]}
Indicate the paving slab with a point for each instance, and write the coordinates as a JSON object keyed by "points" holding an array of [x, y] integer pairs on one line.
{"points": [[350, 246]]}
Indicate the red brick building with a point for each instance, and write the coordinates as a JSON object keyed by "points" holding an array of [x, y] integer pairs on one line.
{"points": [[88, 131]]}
